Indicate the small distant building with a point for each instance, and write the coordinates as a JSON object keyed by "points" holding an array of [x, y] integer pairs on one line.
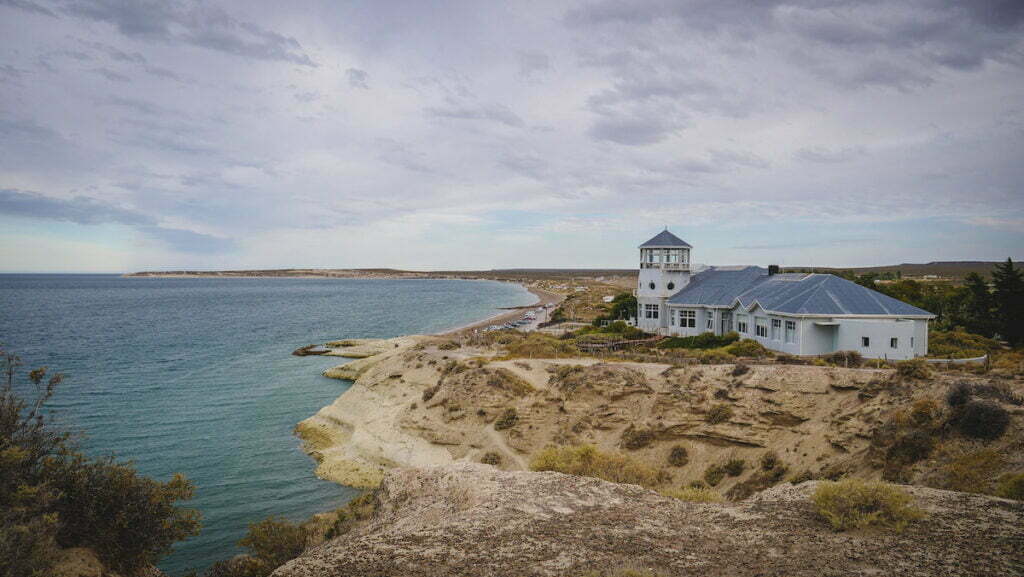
{"points": [[794, 313]]}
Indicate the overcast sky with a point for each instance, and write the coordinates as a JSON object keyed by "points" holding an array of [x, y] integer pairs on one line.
{"points": [[157, 135]]}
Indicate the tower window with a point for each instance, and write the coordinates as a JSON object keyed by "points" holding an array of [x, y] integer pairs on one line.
{"points": [[671, 286], [652, 285], [865, 342], [894, 343]]}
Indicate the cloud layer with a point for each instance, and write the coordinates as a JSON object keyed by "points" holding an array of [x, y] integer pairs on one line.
{"points": [[255, 134]]}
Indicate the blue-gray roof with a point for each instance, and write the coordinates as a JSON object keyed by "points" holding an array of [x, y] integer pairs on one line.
{"points": [[665, 239], [797, 294]]}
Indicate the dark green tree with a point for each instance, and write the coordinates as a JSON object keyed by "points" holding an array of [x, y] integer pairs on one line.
{"points": [[1008, 297], [977, 312]]}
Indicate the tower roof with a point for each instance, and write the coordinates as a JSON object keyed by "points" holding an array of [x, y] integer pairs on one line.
{"points": [[666, 239]]}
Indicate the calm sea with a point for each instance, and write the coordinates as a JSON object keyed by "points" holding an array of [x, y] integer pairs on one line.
{"points": [[196, 375]]}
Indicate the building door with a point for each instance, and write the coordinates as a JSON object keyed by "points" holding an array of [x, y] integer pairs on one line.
{"points": [[726, 322]]}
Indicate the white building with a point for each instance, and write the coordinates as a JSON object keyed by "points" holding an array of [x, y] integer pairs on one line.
{"points": [[799, 314]]}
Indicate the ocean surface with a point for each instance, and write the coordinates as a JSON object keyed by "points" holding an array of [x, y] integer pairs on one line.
{"points": [[196, 375]]}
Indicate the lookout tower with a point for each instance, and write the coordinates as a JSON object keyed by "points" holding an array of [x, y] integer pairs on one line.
{"points": [[664, 270]]}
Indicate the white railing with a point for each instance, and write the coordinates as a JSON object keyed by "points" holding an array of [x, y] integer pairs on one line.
{"points": [[680, 266]]}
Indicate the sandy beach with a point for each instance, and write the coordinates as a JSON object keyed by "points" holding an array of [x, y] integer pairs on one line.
{"points": [[543, 298]]}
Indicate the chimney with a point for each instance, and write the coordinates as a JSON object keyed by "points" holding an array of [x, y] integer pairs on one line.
{"points": [[773, 269]]}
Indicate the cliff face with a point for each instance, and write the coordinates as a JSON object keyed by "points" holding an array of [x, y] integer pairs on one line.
{"points": [[467, 520], [420, 402]]}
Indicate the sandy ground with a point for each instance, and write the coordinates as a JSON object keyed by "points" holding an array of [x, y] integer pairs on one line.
{"points": [[543, 298]]}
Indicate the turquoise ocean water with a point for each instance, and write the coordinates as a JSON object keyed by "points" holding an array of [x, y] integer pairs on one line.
{"points": [[196, 375]]}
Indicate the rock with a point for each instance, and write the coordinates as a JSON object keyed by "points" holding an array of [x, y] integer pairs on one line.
{"points": [[474, 520]]}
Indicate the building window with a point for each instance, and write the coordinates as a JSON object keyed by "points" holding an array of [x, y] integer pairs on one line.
{"points": [[671, 285], [790, 331], [709, 323], [894, 343], [761, 327], [911, 342], [741, 323], [652, 285], [688, 319], [651, 311], [865, 342], [776, 329]]}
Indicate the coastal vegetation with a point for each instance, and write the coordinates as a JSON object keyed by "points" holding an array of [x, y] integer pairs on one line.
{"points": [[858, 504], [53, 497], [588, 461]]}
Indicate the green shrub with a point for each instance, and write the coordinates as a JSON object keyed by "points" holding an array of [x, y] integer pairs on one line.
{"points": [[972, 472], [1011, 487], [715, 357], [491, 458], [678, 456], [959, 394], [634, 439], [844, 359], [914, 369], [734, 467], [274, 541], [702, 341], [147, 522], [959, 345], [910, 448], [858, 504], [587, 461], [748, 348], [801, 477], [982, 419], [50, 494], [694, 495], [507, 420], [718, 414], [539, 345], [739, 370], [925, 413], [770, 460], [359, 509], [714, 474]]}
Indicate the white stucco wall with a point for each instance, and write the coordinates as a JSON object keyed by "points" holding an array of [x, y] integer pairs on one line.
{"points": [[879, 332]]}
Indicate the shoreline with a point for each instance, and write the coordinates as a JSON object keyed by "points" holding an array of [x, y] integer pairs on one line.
{"points": [[543, 298]]}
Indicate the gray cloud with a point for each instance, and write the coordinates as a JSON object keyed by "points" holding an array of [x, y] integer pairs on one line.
{"points": [[492, 112], [28, 6], [357, 78], [829, 156], [197, 24], [90, 211]]}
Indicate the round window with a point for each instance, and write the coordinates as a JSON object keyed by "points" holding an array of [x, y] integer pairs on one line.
{"points": [[651, 285], [671, 285]]}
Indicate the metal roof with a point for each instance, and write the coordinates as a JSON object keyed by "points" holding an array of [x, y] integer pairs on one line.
{"points": [[665, 239], [791, 293]]}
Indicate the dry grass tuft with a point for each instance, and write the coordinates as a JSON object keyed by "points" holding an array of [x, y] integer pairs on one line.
{"points": [[588, 461], [859, 504], [694, 494]]}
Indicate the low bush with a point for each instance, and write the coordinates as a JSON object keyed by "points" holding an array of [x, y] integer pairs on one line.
{"points": [[716, 357], [858, 504], [910, 448], [713, 475], [702, 341], [678, 456], [739, 370], [844, 359], [982, 419], [734, 467], [538, 345], [491, 458], [801, 477], [914, 369], [770, 460], [748, 348], [959, 345], [718, 414], [449, 345], [694, 495], [587, 461], [274, 541], [926, 414], [634, 439], [507, 419], [959, 393], [502, 378], [359, 509], [972, 472], [1011, 487]]}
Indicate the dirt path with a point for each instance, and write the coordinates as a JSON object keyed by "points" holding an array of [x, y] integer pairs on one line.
{"points": [[499, 440]]}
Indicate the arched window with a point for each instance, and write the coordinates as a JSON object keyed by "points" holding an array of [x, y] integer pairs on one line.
{"points": [[652, 285], [671, 286]]}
